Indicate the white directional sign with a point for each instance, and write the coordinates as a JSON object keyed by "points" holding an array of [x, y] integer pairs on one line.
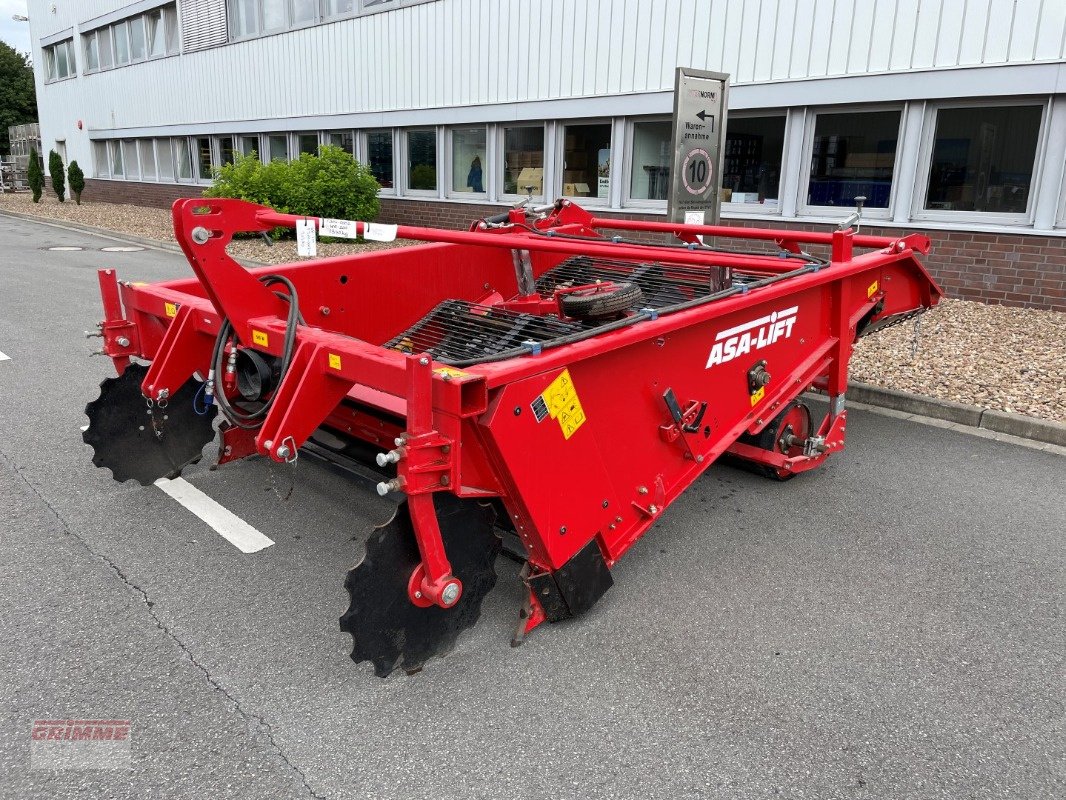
{"points": [[699, 132]]}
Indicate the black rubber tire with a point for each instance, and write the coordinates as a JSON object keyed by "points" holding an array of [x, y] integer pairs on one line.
{"points": [[601, 305], [768, 438]]}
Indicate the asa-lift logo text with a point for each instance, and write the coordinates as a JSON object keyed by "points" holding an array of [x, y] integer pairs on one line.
{"points": [[750, 336]]}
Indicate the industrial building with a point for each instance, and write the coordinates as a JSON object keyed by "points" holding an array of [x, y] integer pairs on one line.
{"points": [[948, 116]]}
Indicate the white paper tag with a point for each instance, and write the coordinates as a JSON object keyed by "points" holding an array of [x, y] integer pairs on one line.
{"points": [[376, 232], [694, 218], [340, 228], [306, 241]]}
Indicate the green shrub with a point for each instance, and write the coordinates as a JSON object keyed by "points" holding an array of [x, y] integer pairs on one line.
{"points": [[59, 178], [331, 184], [35, 176], [76, 181]]}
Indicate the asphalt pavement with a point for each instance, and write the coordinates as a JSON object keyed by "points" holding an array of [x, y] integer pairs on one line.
{"points": [[890, 625]]}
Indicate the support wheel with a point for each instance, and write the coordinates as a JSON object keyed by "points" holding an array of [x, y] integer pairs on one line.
{"points": [[784, 435], [593, 303]]}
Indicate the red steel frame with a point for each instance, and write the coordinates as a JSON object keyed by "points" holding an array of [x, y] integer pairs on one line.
{"points": [[471, 431]]}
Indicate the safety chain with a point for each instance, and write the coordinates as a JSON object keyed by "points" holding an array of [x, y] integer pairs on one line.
{"points": [[155, 408]]}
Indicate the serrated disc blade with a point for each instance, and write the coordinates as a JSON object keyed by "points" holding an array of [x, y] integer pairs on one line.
{"points": [[122, 437], [386, 627]]}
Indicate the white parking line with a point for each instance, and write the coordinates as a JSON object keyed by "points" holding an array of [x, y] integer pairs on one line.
{"points": [[4, 358], [225, 523]]}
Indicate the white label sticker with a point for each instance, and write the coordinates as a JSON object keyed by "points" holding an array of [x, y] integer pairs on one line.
{"points": [[340, 228], [306, 241], [376, 232], [694, 218]]}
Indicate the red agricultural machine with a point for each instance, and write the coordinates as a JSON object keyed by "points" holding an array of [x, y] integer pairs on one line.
{"points": [[548, 377]]}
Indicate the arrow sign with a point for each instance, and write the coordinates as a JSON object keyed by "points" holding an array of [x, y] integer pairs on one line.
{"points": [[703, 115]]}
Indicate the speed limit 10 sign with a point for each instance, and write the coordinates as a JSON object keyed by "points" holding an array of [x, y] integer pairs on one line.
{"points": [[699, 131]]}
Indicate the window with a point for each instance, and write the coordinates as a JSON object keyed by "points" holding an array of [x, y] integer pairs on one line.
{"points": [[121, 35], [115, 149], [92, 53], [307, 143], [304, 11], [183, 159], [153, 34], [379, 156], [147, 153], [107, 55], [342, 139], [165, 159], [203, 158], [157, 45], [275, 14], [335, 8], [278, 146], [129, 158], [59, 61], [983, 159], [653, 151], [853, 154], [523, 160], [587, 161], [138, 44], [243, 18], [751, 164], [226, 149], [468, 160], [422, 160], [249, 145], [100, 167]]}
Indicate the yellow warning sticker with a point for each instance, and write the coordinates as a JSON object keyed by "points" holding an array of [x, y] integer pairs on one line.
{"points": [[448, 372], [260, 338], [758, 395], [563, 404], [170, 309], [334, 361], [872, 290]]}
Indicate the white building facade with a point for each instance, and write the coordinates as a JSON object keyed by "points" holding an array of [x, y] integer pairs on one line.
{"points": [[948, 116]]}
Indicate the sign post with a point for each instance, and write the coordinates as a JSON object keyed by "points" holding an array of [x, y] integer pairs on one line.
{"points": [[699, 135]]}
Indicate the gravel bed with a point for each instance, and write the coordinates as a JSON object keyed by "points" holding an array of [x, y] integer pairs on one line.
{"points": [[1009, 359]]}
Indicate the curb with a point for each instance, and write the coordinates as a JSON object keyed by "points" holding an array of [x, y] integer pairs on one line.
{"points": [[105, 232], [1040, 430], [1024, 427]]}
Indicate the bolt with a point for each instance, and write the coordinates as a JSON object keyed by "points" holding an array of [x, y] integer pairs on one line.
{"points": [[450, 593], [642, 490], [284, 452], [200, 235], [267, 444], [324, 311], [418, 594], [447, 448], [400, 441], [654, 509], [604, 504], [562, 530], [384, 488], [517, 411], [123, 341], [445, 480], [699, 459], [391, 457], [424, 361]]}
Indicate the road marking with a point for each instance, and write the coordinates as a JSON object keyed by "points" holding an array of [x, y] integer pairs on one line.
{"points": [[84, 428], [4, 358], [225, 523]]}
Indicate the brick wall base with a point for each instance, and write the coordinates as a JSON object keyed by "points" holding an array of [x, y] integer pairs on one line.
{"points": [[1008, 269]]}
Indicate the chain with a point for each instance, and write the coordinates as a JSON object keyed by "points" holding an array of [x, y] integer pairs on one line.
{"points": [[274, 483], [914, 337]]}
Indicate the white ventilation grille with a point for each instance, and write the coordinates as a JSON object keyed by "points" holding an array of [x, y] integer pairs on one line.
{"points": [[203, 24]]}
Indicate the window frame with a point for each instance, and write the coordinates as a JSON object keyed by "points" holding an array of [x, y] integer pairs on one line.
{"points": [[487, 173], [629, 162], [761, 208], [363, 154], [803, 209], [405, 162], [167, 33], [51, 60], [501, 167], [918, 211], [560, 156]]}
